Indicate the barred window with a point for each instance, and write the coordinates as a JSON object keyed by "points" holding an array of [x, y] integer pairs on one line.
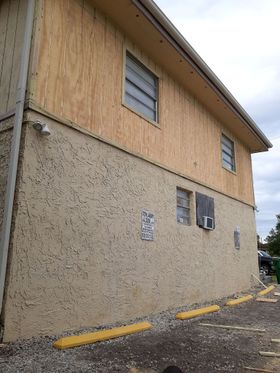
{"points": [[141, 88], [183, 207]]}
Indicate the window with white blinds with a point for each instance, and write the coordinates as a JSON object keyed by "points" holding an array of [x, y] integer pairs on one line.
{"points": [[183, 207], [141, 88], [228, 156]]}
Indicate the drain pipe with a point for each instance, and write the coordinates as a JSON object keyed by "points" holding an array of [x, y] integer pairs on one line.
{"points": [[14, 154]]}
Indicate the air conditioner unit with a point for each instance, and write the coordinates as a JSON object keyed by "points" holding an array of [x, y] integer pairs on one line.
{"points": [[208, 223]]}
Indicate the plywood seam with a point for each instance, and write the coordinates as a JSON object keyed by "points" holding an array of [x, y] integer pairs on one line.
{"points": [[33, 106]]}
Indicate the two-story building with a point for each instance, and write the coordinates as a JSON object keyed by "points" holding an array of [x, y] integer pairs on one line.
{"points": [[133, 185]]}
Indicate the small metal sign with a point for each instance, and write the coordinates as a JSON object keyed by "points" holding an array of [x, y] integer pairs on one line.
{"points": [[148, 225], [237, 238]]}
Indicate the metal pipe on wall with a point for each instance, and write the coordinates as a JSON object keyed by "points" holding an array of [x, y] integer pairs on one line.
{"points": [[14, 154]]}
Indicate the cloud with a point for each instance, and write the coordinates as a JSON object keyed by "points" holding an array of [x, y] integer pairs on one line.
{"points": [[239, 41], [265, 110]]}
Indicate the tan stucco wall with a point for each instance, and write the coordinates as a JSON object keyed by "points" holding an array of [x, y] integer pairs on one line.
{"points": [[77, 257], [5, 146]]}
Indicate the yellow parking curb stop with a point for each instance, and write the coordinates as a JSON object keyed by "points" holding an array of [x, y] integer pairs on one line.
{"points": [[198, 312], [234, 302], [103, 335], [267, 290]]}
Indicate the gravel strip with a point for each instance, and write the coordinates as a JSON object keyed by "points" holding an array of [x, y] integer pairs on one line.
{"points": [[185, 343]]}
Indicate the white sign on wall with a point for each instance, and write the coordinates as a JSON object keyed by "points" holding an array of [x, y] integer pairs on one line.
{"points": [[237, 238], [147, 226]]}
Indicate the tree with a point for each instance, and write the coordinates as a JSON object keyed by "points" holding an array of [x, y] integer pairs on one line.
{"points": [[273, 239], [261, 245]]}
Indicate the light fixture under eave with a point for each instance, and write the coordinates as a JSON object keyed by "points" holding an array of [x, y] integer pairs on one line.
{"points": [[42, 128]]}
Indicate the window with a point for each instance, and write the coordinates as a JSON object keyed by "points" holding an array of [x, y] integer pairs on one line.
{"points": [[183, 207], [204, 208], [141, 88], [228, 156]]}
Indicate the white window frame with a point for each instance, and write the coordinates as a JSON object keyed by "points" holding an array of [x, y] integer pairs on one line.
{"points": [[154, 120], [228, 153], [183, 203]]}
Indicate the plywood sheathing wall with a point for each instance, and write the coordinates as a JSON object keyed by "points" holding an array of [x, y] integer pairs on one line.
{"points": [[12, 22], [77, 76]]}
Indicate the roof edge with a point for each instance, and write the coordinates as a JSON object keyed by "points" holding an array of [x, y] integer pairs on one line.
{"points": [[173, 32]]}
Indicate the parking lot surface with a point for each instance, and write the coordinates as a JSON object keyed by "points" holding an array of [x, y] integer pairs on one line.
{"points": [[187, 344]]}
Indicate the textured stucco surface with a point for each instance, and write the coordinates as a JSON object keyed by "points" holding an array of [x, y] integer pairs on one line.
{"points": [[5, 147], [77, 257]]}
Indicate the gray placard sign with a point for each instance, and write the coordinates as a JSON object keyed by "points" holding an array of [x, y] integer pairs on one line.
{"points": [[147, 225], [237, 238]]}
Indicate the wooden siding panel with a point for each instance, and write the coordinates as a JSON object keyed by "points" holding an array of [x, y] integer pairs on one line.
{"points": [[4, 15], [12, 23], [80, 78], [8, 55], [59, 57], [21, 17], [40, 85]]}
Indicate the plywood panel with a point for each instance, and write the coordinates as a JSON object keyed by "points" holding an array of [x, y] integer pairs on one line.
{"points": [[80, 78], [12, 22], [4, 13], [8, 52], [21, 17]]}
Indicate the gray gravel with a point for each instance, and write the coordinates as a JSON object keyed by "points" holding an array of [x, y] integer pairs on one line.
{"points": [[185, 343]]}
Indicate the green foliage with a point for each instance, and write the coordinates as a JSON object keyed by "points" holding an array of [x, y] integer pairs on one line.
{"points": [[273, 239]]}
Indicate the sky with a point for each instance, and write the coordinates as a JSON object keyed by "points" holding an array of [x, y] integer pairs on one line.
{"points": [[239, 41]]}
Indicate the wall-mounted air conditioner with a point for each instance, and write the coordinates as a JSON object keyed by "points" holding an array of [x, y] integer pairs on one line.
{"points": [[208, 223]]}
